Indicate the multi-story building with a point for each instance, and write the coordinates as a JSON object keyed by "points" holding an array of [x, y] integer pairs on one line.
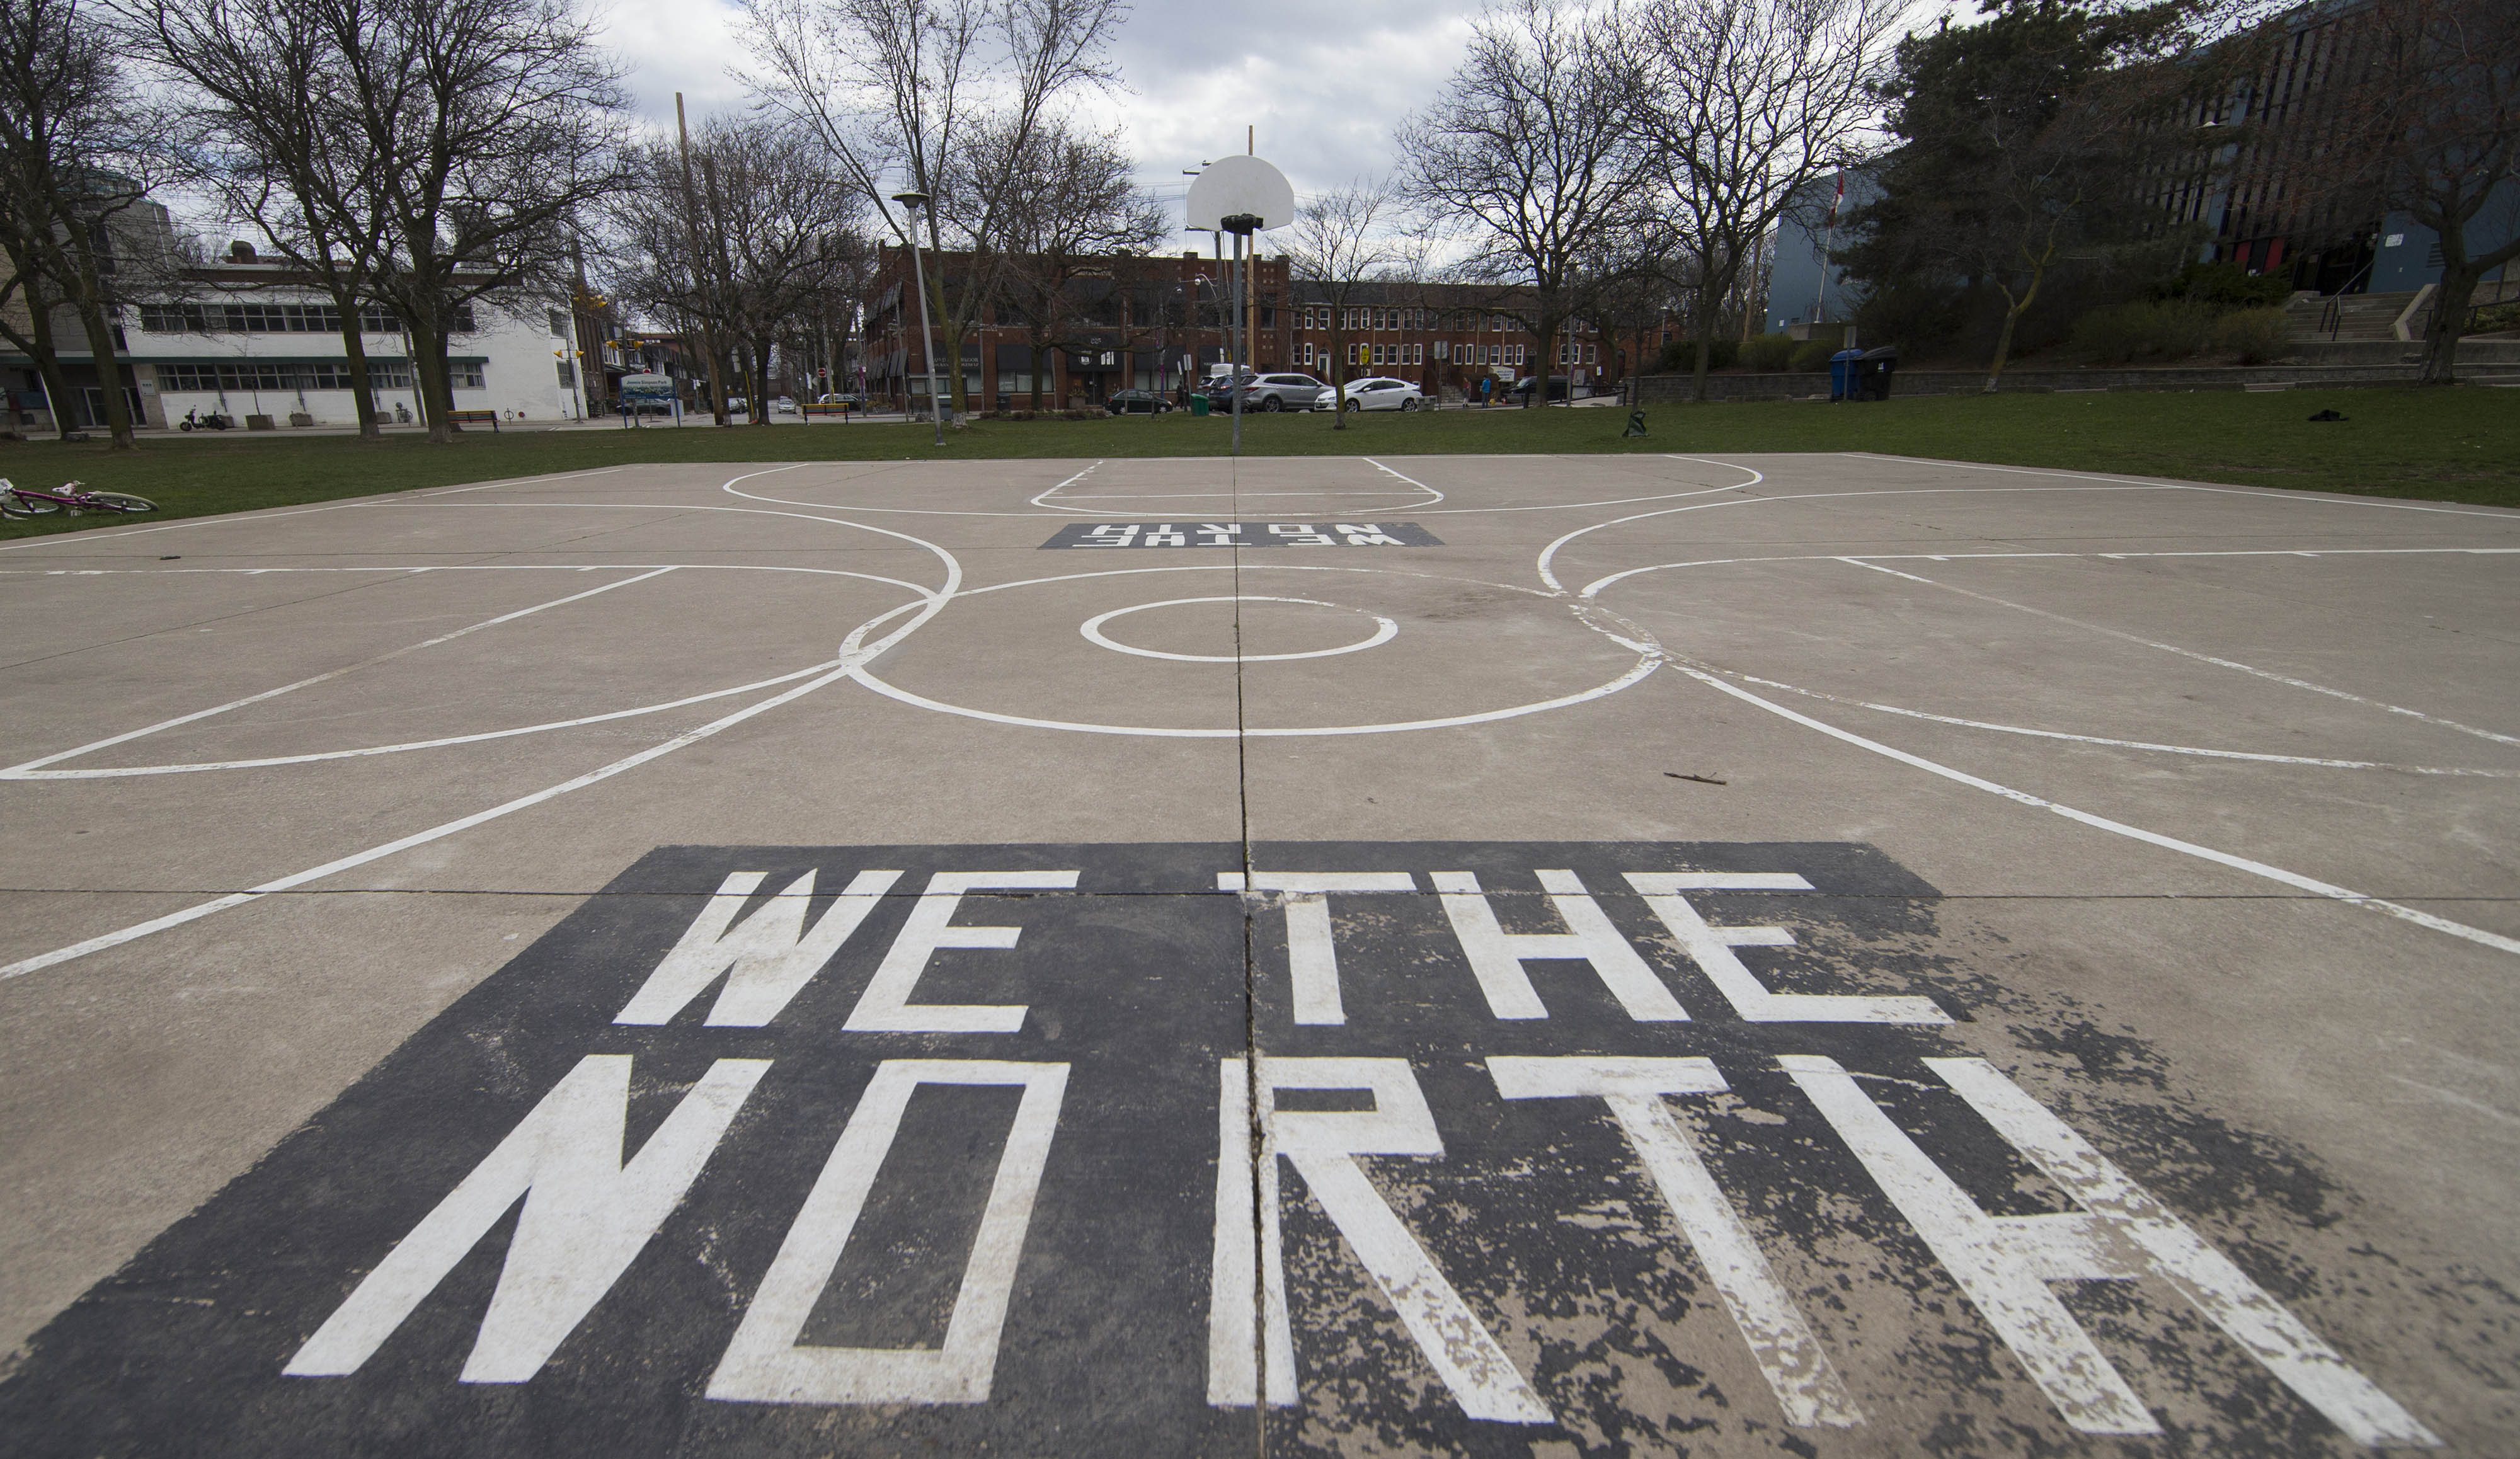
{"points": [[259, 340], [1446, 338], [256, 339]]}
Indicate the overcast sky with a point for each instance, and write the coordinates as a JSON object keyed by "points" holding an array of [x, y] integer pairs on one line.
{"points": [[1323, 82]]}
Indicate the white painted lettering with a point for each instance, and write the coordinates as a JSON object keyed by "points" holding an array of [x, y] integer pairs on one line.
{"points": [[1497, 956], [1797, 1369], [587, 1217], [1711, 948], [1312, 959], [1323, 1146], [2005, 1264], [885, 1006], [770, 954], [765, 1363]]}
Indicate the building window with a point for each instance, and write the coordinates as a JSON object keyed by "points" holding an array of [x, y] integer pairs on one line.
{"points": [[257, 376], [1417, 354], [1440, 355], [464, 375], [559, 323]]}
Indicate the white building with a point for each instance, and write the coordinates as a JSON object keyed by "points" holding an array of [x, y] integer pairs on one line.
{"points": [[259, 339]]}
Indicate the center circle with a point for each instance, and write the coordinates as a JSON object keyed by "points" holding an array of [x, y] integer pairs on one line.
{"points": [[1091, 629]]}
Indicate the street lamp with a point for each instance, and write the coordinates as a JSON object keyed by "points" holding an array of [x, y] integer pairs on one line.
{"points": [[927, 338]]}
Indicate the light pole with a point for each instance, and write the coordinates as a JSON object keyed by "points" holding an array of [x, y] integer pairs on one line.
{"points": [[1241, 226], [926, 336]]}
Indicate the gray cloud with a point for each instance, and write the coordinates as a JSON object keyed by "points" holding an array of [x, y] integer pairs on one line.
{"points": [[1322, 82]]}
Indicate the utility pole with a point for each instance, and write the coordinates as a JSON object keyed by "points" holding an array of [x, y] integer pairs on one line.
{"points": [[926, 334], [692, 239]]}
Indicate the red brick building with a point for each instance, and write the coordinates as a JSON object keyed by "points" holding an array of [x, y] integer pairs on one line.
{"points": [[1155, 323]]}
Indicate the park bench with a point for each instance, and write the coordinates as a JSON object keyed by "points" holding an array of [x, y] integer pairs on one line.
{"points": [[475, 418], [819, 407]]}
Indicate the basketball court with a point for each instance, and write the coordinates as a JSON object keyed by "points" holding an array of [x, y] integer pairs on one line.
{"points": [[1818, 956]]}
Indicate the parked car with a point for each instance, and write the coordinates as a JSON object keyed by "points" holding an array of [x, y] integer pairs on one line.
{"points": [[738, 405], [854, 399], [1379, 392], [1521, 389], [783, 405], [1278, 392], [1137, 403]]}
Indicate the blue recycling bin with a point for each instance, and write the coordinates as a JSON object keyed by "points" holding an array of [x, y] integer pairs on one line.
{"points": [[1841, 373]]}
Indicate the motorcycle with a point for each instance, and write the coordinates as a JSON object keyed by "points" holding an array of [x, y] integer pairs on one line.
{"points": [[195, 420]]}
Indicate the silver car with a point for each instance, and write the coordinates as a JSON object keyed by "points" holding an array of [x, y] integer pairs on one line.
{"points": [[1281, 392], [1379, 392]]}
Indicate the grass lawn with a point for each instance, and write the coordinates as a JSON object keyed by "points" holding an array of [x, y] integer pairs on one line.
{"points": [[2452, 445]]}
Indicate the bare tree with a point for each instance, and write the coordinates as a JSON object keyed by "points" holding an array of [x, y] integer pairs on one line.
{"points": [[2431, 128], [1753, 100], [1072, 198], [492, 125], [260, 104], [893, 88], [74, 173], [758, 246], [1343, 242], [1535, 148]]}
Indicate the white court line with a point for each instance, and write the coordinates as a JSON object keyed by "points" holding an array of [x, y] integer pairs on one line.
{"points": [[1387, 471], [933, 603], [2294, 879], [2206, 659], [1551, 551], [2279, 493], [1036, 500], [2125, 745], [19, 770], [1594, 587], [1644, 666], [56, 538], [120, 771]]}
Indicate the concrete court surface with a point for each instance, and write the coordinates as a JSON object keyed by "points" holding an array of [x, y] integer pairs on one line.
{"points": [[1823, 956]]}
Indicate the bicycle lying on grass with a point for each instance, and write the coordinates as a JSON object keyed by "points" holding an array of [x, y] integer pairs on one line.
{"points": [[18, 503]]}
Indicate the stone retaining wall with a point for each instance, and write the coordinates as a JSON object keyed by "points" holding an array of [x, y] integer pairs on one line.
{"points": [[1655, 389]]}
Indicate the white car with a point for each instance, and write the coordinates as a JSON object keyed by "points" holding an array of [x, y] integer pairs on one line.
{"points": [[783, 406], [1378, 392]]}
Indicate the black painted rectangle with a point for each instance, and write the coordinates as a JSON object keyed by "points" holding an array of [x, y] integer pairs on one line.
{"points": [[1141, 980], [1318, 532]]}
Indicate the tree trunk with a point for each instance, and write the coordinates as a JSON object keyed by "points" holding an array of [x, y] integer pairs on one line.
{"points": [[2450, 315], [2014, 309], [1040, 357], [354, 351], [109, 374], [760, 384], [1538, 395], [436, 395], [1339, 372], [47, 357]]}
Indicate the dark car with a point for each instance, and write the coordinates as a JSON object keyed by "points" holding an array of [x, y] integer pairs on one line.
{"points": [[1137, 403], [1521, 389]]}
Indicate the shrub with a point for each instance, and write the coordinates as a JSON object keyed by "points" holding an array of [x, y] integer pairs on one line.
{"points": [[2256, 335], [1812, 354], [1680, 356], [2129, 332], [1769, 351], [2223, 286]]}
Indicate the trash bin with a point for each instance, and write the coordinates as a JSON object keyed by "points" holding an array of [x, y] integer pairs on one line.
{"points": [[1873, 373], [1198, 403], [1841, 373]]}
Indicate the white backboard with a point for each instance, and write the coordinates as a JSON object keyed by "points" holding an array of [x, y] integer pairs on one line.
{"points": [[1240, 185]]}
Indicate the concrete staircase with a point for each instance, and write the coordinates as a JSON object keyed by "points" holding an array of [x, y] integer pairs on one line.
{"points": [[2349, 316]]}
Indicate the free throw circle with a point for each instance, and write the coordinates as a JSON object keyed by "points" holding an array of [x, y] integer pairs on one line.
{"points": [[1384, 632]]}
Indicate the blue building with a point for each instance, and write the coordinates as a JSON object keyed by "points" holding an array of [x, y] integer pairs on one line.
{"points": [[1804, 288]]}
